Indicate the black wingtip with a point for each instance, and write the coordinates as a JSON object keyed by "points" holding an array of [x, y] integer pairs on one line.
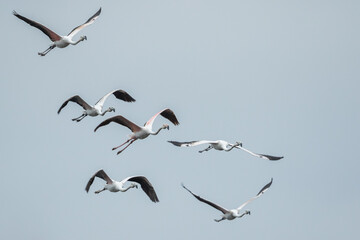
{"points": [[266, 187], [178, 144], [182, 184], [98, 12], [155, 200], [272, 158]]}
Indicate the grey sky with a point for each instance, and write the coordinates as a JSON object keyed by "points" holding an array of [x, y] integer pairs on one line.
{"points": [[280, 76]]}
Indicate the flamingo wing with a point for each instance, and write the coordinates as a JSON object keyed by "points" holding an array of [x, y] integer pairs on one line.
{"points": [[166, 113], [264, 189], [76, 99], [120, 120], [223, 210], [145, 185], [264, 156], [100, 174], [119, 94], [88, 22], [52, 35]]}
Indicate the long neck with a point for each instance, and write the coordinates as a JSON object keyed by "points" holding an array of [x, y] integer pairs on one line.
{"points": [[74, 43], [238, 215], [125, 189], [156, 133], [232, 146], [107, 110]]}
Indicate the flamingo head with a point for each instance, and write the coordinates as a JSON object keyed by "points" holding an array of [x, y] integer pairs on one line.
{"points": [[238, 144], [165, 126], [111, 109]]}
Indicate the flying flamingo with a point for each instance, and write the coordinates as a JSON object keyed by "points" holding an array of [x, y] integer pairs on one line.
{"points": [[97, 108], [59, 41], [139, 132], [115, 186], [222, 145], [233, 213]]}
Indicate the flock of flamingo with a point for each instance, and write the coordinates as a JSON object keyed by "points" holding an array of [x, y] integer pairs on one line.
{"points": [[139, 132]]}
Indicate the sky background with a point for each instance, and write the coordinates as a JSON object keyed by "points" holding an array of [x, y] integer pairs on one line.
{"points": [[280, 76]]}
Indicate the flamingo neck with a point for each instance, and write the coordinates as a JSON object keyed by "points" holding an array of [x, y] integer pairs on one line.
{"points": [[156, 133], [231, 147], [107, 110], [74, 43], [125, 189]]}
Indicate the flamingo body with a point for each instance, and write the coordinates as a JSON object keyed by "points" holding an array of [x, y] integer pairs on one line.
{"points": [[97, 109], [233, 213], [139, 132], [222, 145], [115, 186], [59, 41]]}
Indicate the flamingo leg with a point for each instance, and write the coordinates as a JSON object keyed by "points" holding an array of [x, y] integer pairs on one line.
{"points": [[206, 149], [47, 50], [81, 118], [78, 119], [99, 191], [126, 146], [121, 144], [219, 220]]}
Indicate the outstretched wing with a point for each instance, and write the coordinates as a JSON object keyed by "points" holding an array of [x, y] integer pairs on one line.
{"points": [[88, 22], [191, 144], [264, 156], [76, 99], [223, 210], [52, 35], [120, 120], [100, 174], [166, 113], [119, 94], [264, 189], [145, 185]]}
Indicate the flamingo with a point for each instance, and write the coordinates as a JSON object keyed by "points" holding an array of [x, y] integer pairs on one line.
{"points": [[115, 186], [139, 132], [233, 213], [59, 41], [223, 145], [97, 108]]}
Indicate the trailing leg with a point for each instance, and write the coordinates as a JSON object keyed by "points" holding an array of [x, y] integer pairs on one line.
{"points": [[132, 140], [121, 144], [206, 149], [99, 191], [47, 50], [79, 118], [219, 220]]}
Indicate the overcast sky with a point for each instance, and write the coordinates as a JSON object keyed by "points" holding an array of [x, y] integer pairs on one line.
{"points": [[282, 77]]}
